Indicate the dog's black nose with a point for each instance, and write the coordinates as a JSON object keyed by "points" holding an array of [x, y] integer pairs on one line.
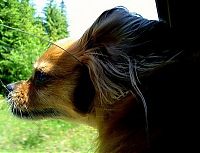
{"points": [[10, 87]]}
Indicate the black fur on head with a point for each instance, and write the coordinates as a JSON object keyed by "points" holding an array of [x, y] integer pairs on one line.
{"points": [[119, 48]]}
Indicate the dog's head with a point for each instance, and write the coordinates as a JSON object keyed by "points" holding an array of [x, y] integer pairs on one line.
{"points": [[80, 78], [59, 81]]}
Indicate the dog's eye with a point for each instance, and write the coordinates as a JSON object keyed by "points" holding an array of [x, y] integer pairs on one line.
{"points": [[41, 78]]}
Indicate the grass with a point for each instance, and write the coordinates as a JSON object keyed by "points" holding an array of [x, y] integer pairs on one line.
{"points": [[45, 136]]}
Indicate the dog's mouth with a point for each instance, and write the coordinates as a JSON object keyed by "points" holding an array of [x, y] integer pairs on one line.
{"points": [[35, 114]]}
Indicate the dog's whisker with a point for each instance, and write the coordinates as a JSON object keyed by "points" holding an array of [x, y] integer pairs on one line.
{"points": [[27, 111], [20, 113], [14, 110]]}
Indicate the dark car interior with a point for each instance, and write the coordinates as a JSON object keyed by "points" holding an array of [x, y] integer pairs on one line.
{"points": [[181, 90], [182, 16]]}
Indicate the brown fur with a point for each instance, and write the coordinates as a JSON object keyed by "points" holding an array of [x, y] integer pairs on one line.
{"points": [[119, 77]]}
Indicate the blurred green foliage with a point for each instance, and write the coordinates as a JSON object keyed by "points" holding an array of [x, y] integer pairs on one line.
{"points": [[18, 49], [43, 136]]}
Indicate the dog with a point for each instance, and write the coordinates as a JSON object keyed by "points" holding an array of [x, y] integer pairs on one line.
{"points": [[127, 76]]}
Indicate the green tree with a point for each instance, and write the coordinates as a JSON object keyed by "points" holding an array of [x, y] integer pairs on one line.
{"points": [[18, 49], [55, 20]]}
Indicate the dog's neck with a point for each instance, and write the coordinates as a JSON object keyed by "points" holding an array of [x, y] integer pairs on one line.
{"points": [[116, 123], [101, 114]]}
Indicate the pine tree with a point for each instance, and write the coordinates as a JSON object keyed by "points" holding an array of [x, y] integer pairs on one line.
{"points": [[18, 50], [55, 20]]}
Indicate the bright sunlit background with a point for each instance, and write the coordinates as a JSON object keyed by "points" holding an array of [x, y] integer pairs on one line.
{"points": [[82, 13]]}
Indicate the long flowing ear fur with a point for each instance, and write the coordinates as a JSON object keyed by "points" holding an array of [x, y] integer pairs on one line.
{"points": [[119, 48]]}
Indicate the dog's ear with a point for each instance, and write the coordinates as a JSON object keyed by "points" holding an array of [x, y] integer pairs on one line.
{"points": [[84, 92]]}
